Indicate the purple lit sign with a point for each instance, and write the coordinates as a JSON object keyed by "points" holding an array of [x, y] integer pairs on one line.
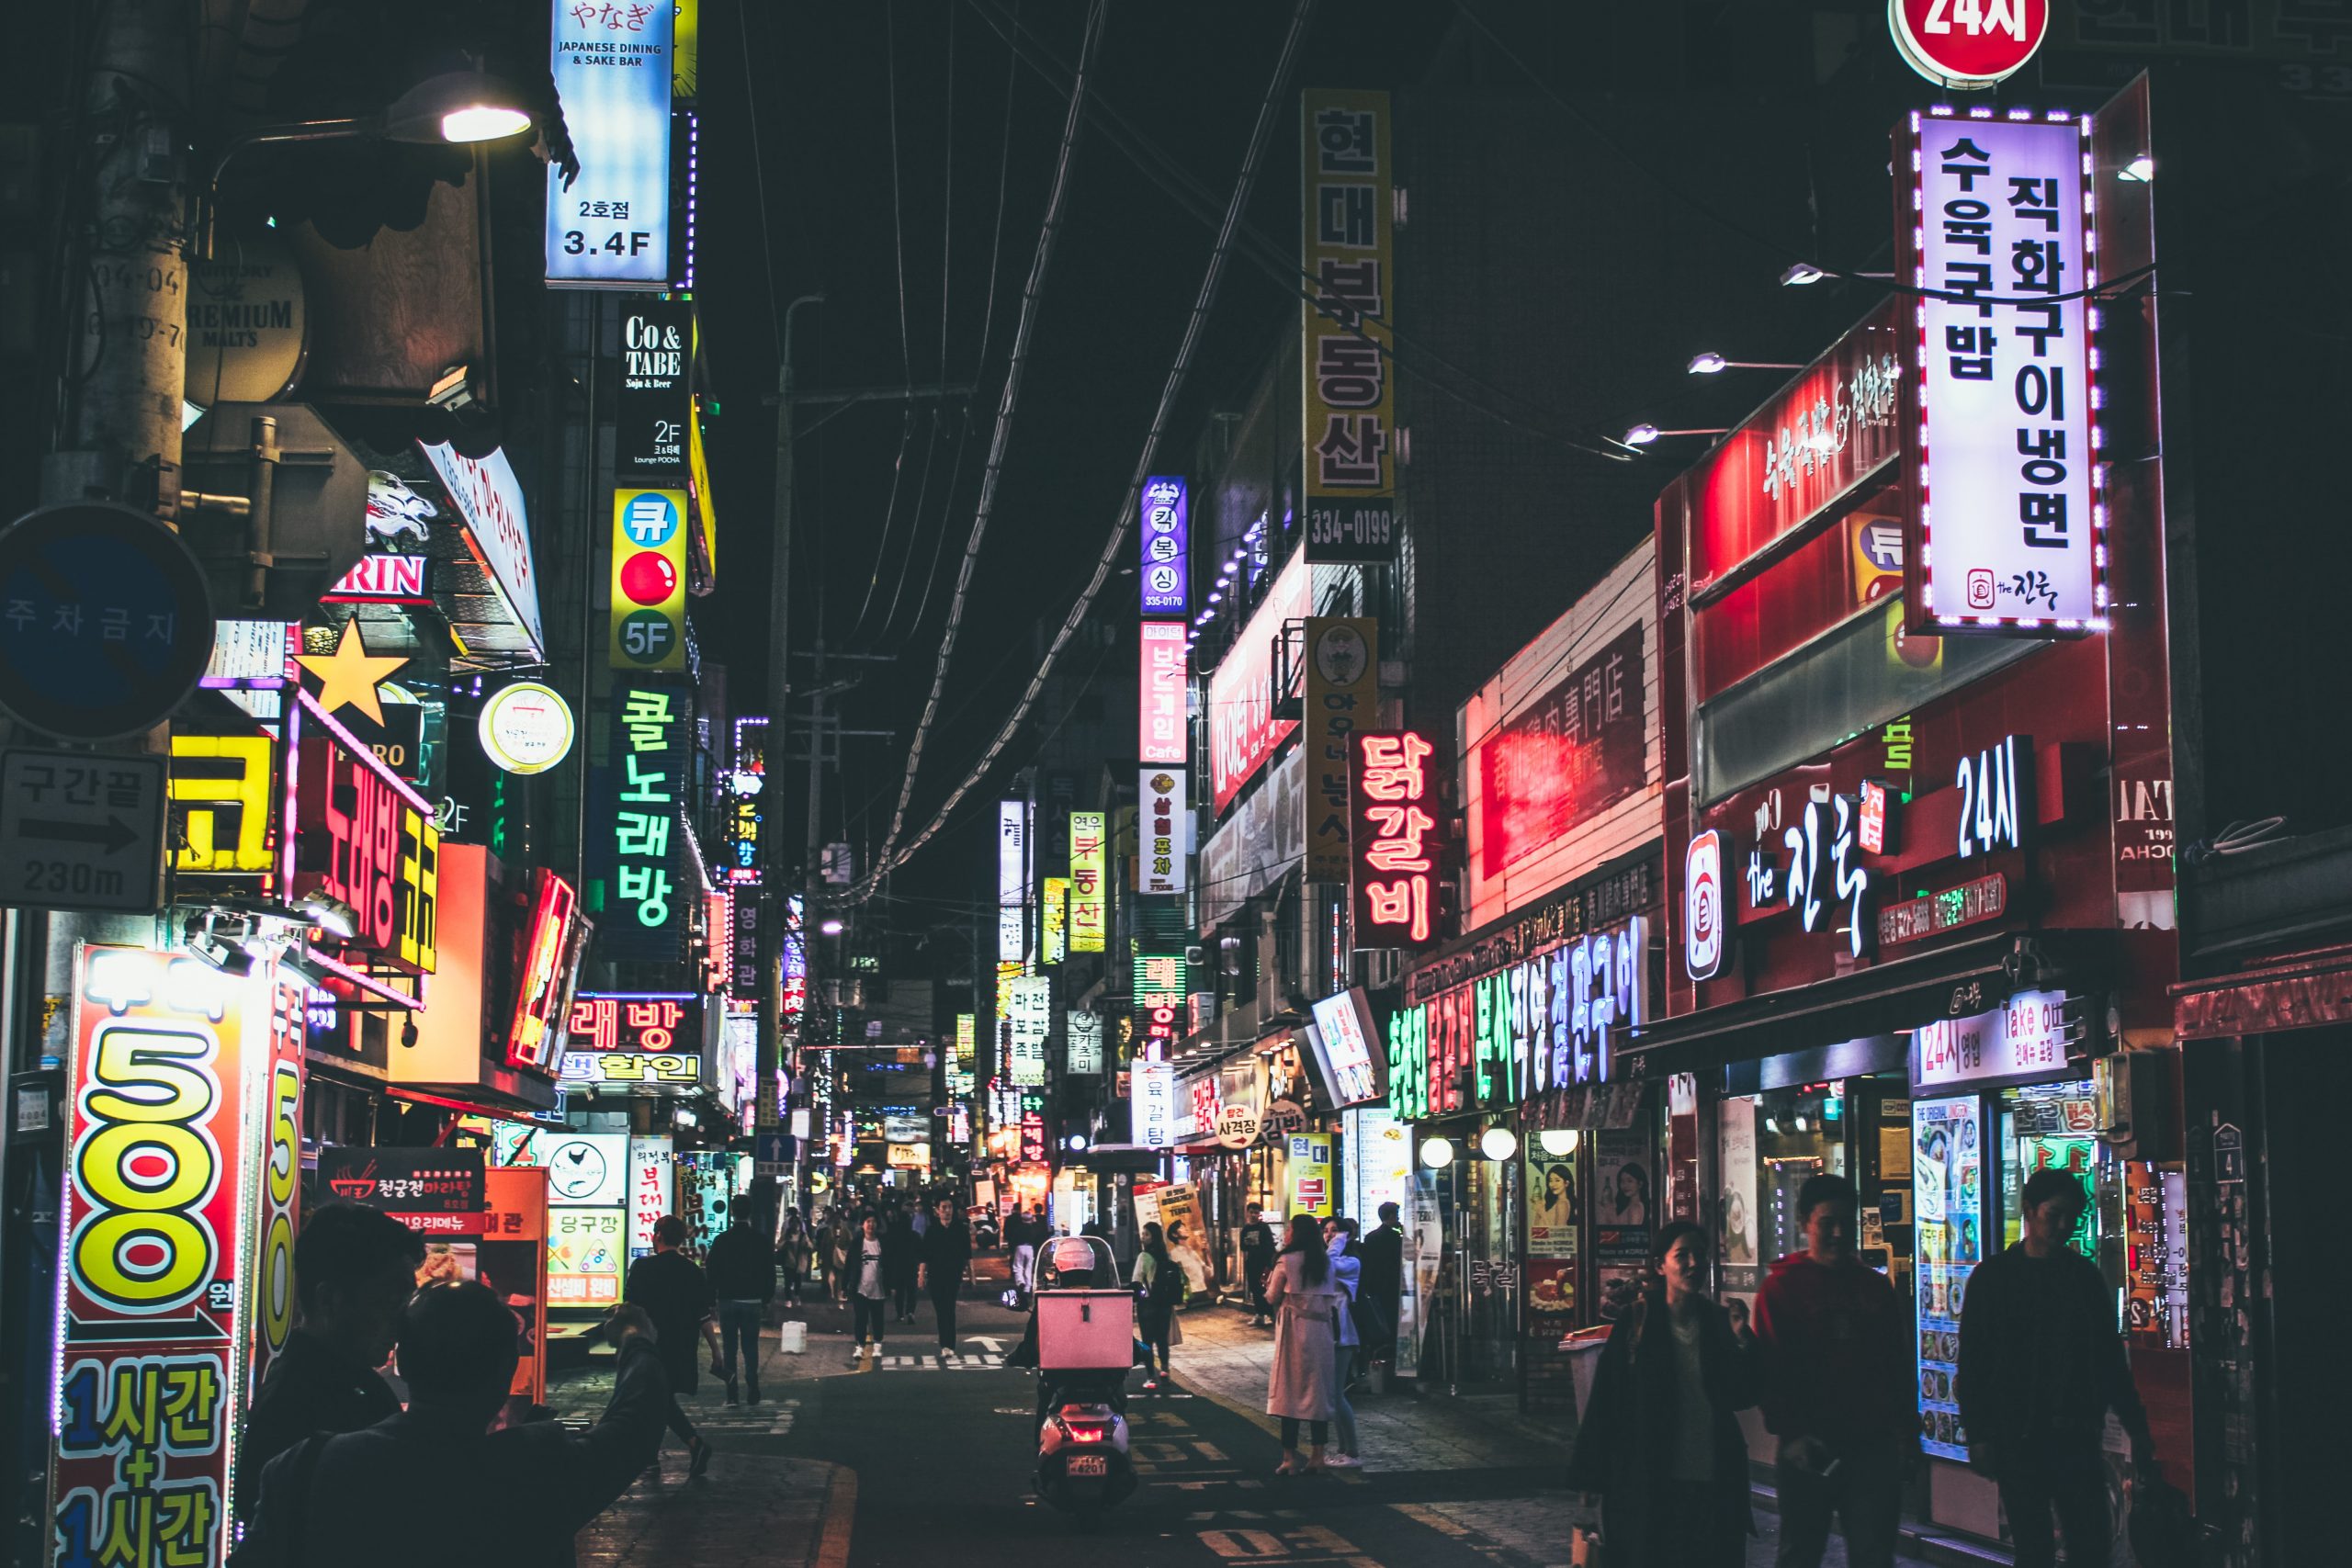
{"points": [[1165, 531]]}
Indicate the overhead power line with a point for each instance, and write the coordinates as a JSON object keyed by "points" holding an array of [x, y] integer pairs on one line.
{"points": [[891, 858], [1031, 295]]}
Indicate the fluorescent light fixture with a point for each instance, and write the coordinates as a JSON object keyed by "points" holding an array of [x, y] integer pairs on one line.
{"points": [[831, 928], [1801, 273], [2141, 170], [458, 105], [1641, 434], [1706, 364], [329, 914]]}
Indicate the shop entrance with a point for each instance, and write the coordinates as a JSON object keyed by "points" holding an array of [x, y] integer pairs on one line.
{"points": [[1476, 1331]]}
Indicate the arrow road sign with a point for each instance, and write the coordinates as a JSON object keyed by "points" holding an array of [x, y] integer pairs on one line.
{"points": [[79, 831]]}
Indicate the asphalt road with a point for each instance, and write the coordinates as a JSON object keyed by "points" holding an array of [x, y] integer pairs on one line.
{"points": [[942, 1458]]}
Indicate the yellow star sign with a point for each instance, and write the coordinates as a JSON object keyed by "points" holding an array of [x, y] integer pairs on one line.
{"points": [[348, 676]]}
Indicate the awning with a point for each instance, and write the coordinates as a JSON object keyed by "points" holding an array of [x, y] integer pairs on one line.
{"points": [[1885, 998], [2304, 992]]}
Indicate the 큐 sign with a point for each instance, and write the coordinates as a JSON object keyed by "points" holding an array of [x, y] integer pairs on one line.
{"points": [[649, 625]]}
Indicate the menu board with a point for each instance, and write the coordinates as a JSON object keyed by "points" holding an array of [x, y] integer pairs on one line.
{"points": [[585, 1248], [1947, 1188]]}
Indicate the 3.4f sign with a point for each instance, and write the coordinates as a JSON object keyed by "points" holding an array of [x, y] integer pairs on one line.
{"points": [[1967, 45]]}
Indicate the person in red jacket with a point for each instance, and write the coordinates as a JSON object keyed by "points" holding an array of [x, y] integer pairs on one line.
{"points": [[1835, 1343]]}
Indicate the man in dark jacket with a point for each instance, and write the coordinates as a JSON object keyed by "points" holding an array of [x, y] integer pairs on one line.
{"points": [[1836, 1343], [2041, 1365], [946, 1253], [1257, 1261], [669, 1286], [354, 1268], [516, 1496], [743, 1278], [901, 1262], [1384, 1281]]}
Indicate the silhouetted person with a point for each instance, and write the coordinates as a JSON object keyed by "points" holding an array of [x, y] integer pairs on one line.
{"points": [[946, 1254], [741, 1266], [354, 1268], [513, 1497], [671, 1289]]}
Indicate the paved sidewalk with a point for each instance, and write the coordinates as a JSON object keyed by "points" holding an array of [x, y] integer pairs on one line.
{"points": [[1222, 1359], [752, 1509]]}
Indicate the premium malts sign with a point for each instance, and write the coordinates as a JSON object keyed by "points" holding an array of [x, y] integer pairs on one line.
{"points": [[610, 227], [1349, 387], [649, 615], [653, 404], [2009, 515]]}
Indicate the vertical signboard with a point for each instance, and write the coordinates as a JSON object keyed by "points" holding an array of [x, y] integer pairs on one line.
{"points": [[1343, 696], [609, 228], [356, 831], [1012, 881], [649, 613], [1160, 735], [275, 1120], [650, 1170], [1029, 1007], [1152, 1104], [1087, 916], [1165, 828], [1165, 571], [1350, 392], [1244, 724], [165, 1115], [1395, 836], [653, 400], [1053, 927], [2009, 513], [643, 917]]}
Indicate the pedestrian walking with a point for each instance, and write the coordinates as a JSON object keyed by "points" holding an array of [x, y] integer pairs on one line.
{"points": [[1660, 1443], [901, 1263], [1836, 1359], [842, 1249], [868, 1293], [2041, 1365], [675, 1295], [1383, 1292], [1188, 1259], [354, 1268], [793, 1249], [1257, 1261], [1024, 1243], [1305, 1299], [516, 1495], [743, 1278], [1160, 1290], [1347, 1272], [946, 1254]]}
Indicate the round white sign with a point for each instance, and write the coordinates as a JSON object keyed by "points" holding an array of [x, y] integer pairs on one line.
{"points": [[526, 728], [1236, 1127]]}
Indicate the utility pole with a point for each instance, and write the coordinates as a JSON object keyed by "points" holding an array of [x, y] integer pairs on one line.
{"points": [[775, 863], [123, 431]]}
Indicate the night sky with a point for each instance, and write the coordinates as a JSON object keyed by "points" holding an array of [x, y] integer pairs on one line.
{"points": [[818, 82]]}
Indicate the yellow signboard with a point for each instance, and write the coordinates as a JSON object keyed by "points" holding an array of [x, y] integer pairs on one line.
{"points": [[220, 795], [649, 611], [1086, 898], [1057, 923], [699, 476]]}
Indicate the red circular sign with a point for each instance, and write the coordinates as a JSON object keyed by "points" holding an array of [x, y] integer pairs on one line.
{"points": [[1967, 44], [649, 578]]}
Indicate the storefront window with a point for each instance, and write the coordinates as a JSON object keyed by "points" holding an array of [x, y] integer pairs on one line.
{"points": [[1771, 1143], [2051, 1127], [1946, 1174]]}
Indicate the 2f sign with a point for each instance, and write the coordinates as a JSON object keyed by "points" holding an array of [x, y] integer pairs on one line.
{"points": [[1967, 44]]}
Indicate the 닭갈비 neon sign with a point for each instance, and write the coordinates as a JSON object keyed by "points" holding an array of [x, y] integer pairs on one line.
{"points": [[1396, 839]]}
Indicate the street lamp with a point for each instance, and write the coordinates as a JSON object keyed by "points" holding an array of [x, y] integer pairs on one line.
{"points": [[1715, 365], [1643, 434], [455, 108]]}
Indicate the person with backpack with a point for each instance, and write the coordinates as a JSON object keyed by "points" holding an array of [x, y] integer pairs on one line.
{"points": [[743, 1278], [1660, 1443], [516, 1495], [2041, 1365], [1161, 1289]]}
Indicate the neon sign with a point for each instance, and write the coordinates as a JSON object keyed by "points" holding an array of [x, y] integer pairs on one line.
{"points": [[1395, 851]]}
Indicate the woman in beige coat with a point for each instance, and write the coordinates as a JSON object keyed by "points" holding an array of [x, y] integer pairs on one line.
{"points": [[1306, 1299]]}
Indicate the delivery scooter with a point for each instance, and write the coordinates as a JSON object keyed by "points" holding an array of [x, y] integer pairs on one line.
{"points": [[1084, 1329]]}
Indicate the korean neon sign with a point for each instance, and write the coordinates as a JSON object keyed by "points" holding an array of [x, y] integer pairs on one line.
{"points": [[549, 954], [1165, 538], [1086, 915], [363, 836], [1161, 731], [1396, 839], [652, 1025], [647, 774]]}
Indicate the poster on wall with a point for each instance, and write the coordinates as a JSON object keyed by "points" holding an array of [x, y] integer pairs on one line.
{"points": [[1552, 1191], [1737, 1245], [1947, 1188], [1623, 1200], [1424, 1256]]}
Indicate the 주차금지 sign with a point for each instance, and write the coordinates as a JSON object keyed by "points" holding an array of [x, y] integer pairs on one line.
{"points": [[2009, 515]]}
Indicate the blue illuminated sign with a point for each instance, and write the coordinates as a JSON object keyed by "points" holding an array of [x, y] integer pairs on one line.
{"points": [[1165, 576]]}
